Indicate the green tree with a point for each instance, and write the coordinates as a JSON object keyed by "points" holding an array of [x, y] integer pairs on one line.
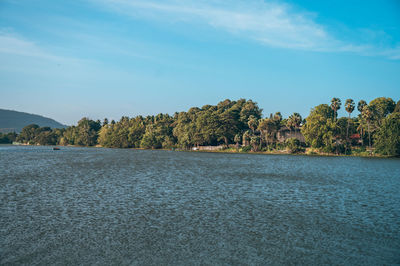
{"points": [[8, 138], [237, 139], [368, 114], [87, 132], [150, 139], [246, 138], [278, 122], [185, 129], [255, 142], [382, 107], [387, 138], [247, 109], [335, 105], [294, 145], [349, 106], [69, 136], [136, 131], [344, 128], [252, 123], [268, 128], [28, 134], [228, 125], [320, 128], [362, 125], [360, 105], [294, 121], [397, 108], [47, 137]]}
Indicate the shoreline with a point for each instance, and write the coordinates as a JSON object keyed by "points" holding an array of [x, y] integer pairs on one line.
{"points": [[298, 154], [283, 152]]}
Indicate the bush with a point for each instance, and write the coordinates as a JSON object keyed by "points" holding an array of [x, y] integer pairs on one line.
{"points": [[246, 148], [7, 138], [294, 145]]}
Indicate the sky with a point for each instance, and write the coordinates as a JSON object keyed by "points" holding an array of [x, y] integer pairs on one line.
{"points": [[111, 58]]}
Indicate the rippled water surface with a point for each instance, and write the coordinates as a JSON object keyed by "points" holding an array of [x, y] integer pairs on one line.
{"points": [[131, 207]]}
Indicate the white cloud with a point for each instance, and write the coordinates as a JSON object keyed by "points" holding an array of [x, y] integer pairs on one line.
{"points": [[393, 53], [269, 23], [10, 44], [16, 45]]}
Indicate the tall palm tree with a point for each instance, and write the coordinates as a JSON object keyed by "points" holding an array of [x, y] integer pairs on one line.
{"points": [[335, 105], [297, 120], [290, 123], [294, 121], [237, 140], [246, 137], [360, 107], [267, 128], [367, 114], [252, 123], [349, 106]]}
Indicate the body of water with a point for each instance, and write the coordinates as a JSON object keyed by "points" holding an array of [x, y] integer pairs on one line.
{"points": [[131, 207]]}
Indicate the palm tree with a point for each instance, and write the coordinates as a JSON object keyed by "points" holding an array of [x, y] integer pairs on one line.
{"points": [[349, 106], [335, 105], [267, 128], [277, 119], [254, 142], [290, 123], [237, 140], [252, 123], [246, 138], [367, 114], [297, 120], [360, 107], [294, 121]]}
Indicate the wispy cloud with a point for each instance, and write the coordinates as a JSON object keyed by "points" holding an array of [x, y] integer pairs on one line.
{"points": [[271, 24], [13, 44], [274, 24]]}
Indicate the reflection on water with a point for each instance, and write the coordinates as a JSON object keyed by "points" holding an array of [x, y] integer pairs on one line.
{"points": [[123, 207]]}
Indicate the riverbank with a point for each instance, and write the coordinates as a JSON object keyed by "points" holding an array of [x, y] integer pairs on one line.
{"points": [[307, 152]]}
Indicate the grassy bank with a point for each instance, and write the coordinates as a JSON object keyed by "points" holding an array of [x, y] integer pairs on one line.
{"points": [[358, 152]]}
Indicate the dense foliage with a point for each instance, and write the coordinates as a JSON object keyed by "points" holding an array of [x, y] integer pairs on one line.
{"points": [[387, 137], [239, 125], [294, 145], [7, 138], [33, 134]]}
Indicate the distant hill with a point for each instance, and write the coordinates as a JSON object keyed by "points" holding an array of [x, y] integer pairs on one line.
{"points": [[11, 121]]}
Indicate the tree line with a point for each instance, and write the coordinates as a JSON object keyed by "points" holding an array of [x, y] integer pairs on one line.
{"points": [[240, 125]]}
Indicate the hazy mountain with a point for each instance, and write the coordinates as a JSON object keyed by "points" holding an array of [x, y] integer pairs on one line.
{"points": [[11, 121]]}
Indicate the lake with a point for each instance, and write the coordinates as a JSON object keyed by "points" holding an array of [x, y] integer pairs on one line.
{"points": [[141, 207]]}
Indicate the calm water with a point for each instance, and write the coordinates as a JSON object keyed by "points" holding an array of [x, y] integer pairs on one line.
{"points": [[127, 207]]}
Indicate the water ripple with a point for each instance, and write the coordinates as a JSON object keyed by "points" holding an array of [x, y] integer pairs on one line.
{"points": [[131, 207]]}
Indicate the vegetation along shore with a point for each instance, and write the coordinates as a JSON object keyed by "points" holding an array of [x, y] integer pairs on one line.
{"points": [[238, 126]]}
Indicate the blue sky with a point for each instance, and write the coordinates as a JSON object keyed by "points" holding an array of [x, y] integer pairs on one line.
{"points": [[109, 58]]}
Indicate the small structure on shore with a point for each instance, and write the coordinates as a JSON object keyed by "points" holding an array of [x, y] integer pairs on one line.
{"points": [[207, 148], [286, 133]]}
